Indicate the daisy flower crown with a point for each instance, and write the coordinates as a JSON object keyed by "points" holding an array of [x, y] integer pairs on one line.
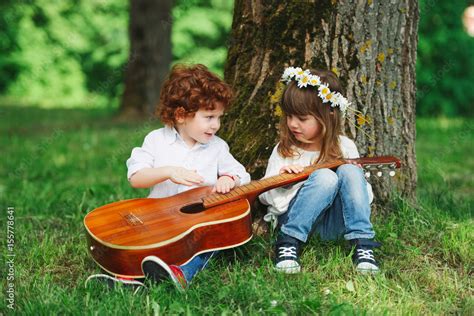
{"points": [[304, 78]]}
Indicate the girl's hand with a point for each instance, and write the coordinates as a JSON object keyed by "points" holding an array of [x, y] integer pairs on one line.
{"points": [[180, 175], [224, 184], [292, 169]]}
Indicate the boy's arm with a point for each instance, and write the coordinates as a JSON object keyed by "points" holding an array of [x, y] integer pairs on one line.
{"points": [[141, 173], [142, 157], [147, 177]]}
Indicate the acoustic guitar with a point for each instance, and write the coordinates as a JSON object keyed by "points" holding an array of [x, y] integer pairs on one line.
{"points": [[179, 227]]}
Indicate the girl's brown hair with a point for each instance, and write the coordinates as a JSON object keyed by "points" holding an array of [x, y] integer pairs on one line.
{"points": [[190, 88], [305, 101]]}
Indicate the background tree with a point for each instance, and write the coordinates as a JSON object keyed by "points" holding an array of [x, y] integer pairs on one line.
{"points": [[150, 55], [370, 45]]}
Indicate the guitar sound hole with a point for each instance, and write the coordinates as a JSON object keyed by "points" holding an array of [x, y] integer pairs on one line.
{"points": [[193, 208]]}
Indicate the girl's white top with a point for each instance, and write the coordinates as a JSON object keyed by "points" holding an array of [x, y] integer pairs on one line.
{"points": [[165, 147], [278, 199]]}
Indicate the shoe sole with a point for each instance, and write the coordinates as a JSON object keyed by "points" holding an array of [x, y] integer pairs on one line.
{"points": [[113, 281], [367, 267], [367, 271], [163, 266], [289, 270]]}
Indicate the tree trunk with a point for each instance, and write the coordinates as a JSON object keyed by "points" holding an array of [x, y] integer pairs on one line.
{"points": [[371, 45], [150, 55]]}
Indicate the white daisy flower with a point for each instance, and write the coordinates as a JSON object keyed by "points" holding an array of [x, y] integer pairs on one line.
{"points": [[323, 92], [299, 73], [303, 82], [314, 80], [344, 104], [337, 99], [329, 98], [323, 86], [288, 74]]}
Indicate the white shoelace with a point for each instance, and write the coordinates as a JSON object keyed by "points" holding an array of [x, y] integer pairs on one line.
{"points": [[365, 254], [287, 251]]}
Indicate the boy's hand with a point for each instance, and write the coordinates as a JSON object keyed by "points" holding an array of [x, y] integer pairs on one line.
{"points": [[180, 175], [292, 169], [224, 184]]}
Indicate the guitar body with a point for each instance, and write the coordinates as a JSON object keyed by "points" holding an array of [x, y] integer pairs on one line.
{"points": [[121, 234]]}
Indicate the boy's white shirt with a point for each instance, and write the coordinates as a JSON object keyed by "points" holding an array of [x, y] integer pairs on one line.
{"points": [[278, 199], [165, 147]]}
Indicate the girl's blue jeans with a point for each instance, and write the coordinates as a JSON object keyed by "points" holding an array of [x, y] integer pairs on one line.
{"points": [[197, 264], [331, 204]]}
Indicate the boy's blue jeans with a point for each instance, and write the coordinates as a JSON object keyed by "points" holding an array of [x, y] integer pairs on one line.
{"points": [[332, 204], [197, 264]]}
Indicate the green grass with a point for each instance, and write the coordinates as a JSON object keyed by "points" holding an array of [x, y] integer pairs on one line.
{"points": [[59, 164]]}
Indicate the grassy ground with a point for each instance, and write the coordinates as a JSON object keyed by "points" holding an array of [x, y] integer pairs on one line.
{"points": [[58, 165]]}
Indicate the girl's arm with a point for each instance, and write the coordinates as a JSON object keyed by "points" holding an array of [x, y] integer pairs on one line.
{"points": [[274, 166], [277, 199]]}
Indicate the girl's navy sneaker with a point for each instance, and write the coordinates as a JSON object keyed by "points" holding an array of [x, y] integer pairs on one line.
{"points": [[287, 252], [363, 256]]}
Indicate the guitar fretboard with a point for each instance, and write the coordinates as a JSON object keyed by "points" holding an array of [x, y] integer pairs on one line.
{"points": [[257, 187]]}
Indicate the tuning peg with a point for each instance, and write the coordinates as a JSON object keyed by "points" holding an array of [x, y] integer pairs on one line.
{"points": [[367, 174], [379, 174], [392, 173]]}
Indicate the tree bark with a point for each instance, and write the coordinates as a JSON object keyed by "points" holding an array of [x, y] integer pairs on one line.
{"points": [[371, 45], [150, 55]]}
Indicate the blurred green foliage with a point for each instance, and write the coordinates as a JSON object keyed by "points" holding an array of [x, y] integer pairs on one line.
{"points": [[73, 52], [62, 52], [200, 32], [445, 63]]}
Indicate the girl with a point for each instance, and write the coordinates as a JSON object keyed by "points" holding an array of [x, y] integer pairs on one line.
{"points": [[184, 154], [330, 203]]}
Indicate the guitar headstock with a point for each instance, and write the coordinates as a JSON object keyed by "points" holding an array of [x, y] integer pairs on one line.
{"points": [[378, 165]]}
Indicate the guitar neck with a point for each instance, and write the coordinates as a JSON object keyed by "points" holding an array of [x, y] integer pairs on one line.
{"points": [[257, 187]]}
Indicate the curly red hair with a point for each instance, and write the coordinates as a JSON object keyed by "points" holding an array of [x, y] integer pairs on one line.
{"points": [[189, 88]]}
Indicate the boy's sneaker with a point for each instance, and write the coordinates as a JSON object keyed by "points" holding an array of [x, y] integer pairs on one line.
{"points": [[112, 281], [157, 270], [363, 256], [287, 252]]}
